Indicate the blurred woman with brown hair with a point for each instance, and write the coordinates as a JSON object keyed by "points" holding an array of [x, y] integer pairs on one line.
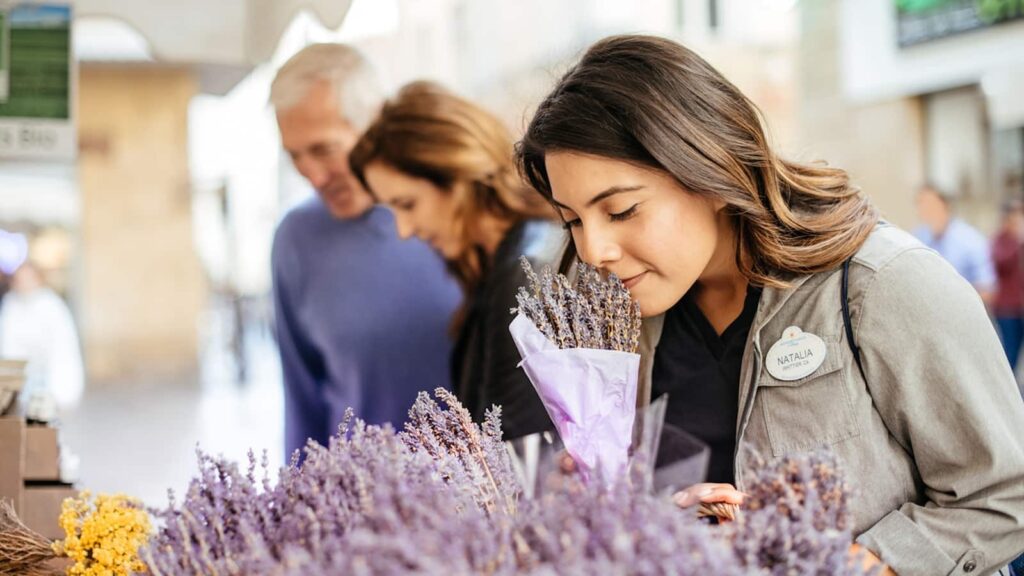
{"points": [[444, 166], [780, 314]]}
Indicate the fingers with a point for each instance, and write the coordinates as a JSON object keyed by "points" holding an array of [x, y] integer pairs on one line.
{"points": [[728, 495], [707, 493], [567, 464], [692, 495]]}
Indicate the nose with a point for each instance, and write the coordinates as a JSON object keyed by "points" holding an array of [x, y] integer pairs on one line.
{"points": [[597, 248], [404, 226], [315, 172]]}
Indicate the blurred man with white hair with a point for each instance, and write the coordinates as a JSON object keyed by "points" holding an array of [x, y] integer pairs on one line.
{"points": [[361, 316]]}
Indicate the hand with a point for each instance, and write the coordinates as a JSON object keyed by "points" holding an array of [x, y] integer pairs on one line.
{"points": [[707, 493], [868, 560]]}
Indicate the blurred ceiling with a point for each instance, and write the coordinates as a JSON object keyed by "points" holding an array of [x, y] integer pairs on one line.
{"points": [[224, 32]]}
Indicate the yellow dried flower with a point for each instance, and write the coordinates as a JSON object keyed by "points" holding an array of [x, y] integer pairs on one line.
{"points": [[103, 535]]}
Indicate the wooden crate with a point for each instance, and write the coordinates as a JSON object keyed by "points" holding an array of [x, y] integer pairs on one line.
{"points": [[40, 508], [12, 459], [42, 454]]}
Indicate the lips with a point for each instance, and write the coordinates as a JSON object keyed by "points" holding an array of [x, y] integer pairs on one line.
{"points": [[632, 281], [338, 193]]}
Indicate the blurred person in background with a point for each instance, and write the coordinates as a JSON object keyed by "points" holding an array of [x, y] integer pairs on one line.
{"points": [[36, 325], [361, 317], [958, 242], [1008, 257], [444, 166]]}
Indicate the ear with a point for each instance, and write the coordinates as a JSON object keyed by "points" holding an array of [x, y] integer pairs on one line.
{"points": [[463, 191], [717, 204]]}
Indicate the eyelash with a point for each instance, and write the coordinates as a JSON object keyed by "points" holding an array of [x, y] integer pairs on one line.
{"points": [[619, 217], [624, 215], [321, 150]]}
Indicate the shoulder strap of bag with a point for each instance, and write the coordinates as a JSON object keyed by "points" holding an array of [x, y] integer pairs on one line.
{"points": [[847, 323]]}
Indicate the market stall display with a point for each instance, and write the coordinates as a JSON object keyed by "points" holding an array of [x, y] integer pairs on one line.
{"points": [[440, 496]]}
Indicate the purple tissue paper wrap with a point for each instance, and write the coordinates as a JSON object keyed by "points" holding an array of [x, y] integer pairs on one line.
{"points": [[589, 394]]}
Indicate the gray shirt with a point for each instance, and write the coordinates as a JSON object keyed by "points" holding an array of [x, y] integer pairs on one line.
{"points": [[932, 442]]}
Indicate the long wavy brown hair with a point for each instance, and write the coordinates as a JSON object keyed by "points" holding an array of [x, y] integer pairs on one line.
{"points": [[652, 102], [428, 132]]}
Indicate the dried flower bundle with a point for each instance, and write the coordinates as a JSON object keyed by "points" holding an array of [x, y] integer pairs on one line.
{"points": [[595, 312], [440, 498], [22, 550], [796, 517], [436, 497], [103, 535]]}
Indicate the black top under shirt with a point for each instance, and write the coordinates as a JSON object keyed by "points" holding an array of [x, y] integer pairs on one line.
{"points": [[485, 359], [700, 371]]}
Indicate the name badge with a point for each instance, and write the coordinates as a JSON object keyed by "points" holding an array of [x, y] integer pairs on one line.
{"points": [[795, 355]]}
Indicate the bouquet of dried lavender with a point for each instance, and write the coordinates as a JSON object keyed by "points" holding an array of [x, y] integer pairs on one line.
{"points": [[594, 312], [578, 341]]}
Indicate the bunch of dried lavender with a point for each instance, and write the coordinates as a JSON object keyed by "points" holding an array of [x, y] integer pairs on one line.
{"points": [[467, 454], [373, 501], [796, 518], [595, 312], [598, 528]]}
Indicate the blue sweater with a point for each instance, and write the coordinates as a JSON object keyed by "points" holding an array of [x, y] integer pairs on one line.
{"points": [[361, 318]]}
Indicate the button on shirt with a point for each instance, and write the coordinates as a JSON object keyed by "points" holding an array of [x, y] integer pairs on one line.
{"points": [[700, 371], [965, 248]]}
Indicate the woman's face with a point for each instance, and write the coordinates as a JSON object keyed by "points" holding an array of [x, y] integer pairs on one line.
{"points": [[637, 223], [421, 208]]}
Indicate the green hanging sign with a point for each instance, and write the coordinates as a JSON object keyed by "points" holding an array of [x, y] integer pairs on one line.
{"points": [[5, 66], [925, 20], [36, 81]]}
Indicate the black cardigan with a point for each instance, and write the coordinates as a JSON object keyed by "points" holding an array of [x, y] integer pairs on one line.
{"points": [[485, 359]]}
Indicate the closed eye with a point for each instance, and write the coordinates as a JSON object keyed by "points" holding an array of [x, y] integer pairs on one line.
{"points": [[321, 150], [617, 217], [624, 215]]}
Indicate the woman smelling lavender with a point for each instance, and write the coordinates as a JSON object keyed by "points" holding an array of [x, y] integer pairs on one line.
{"points": [[445, 168], [780, 314]]}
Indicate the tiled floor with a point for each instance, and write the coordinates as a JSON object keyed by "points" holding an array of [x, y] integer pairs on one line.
{"points": [[139, 438]]}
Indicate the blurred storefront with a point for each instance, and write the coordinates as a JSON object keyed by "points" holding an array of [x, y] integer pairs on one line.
{"points": [[97, 185], [923, 91]]}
